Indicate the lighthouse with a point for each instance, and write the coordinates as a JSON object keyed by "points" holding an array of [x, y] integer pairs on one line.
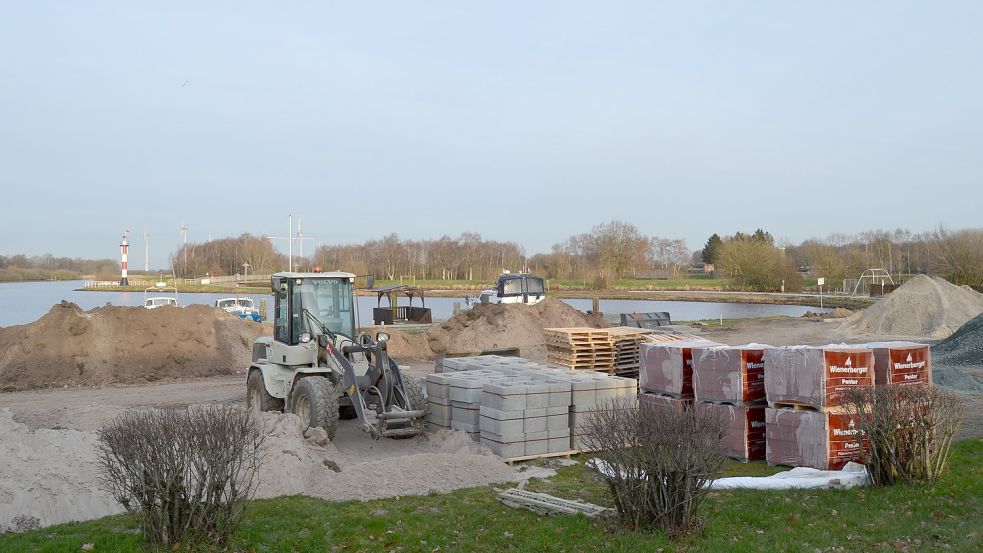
{"points": [[123, 249]]}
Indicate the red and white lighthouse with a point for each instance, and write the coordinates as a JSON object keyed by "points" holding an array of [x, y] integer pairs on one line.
{"points": [[123, 250]]}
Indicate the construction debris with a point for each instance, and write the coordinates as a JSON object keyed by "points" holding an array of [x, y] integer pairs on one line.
{"points": [[545, 504]]}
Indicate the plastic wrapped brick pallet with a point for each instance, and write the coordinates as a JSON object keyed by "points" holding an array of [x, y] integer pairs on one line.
{"points": [[816, 376], [744, 438], [901, 363], [805, 438], [667, 367], [664, 401], [734, 374]]}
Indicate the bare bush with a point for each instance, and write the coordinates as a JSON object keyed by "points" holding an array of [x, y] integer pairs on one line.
{"points": [[187, 473], [906, 431], [657, 462], [21, 523]]}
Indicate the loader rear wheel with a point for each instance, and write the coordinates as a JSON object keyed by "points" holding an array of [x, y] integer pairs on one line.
{"points": [[257, 398], [315, 400]]}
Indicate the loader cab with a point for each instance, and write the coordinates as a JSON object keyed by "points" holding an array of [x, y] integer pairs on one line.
{"points": [[326, 296]]}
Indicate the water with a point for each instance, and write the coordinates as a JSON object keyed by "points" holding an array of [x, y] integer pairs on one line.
{"points": [[23, 302]]}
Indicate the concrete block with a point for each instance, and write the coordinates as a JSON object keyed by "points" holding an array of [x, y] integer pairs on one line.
{"points": [[510, 427], [504, 396], [558, 422], [537, 447], [537, 394], [498, 414], [583, 392], [439, 411], [505, 450], [559, 393], [466, 390], [465, 416], [534, 424]]}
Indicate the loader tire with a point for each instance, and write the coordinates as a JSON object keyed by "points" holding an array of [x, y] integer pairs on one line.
{"points": [[257, 398], [414, 392], [315, 400]]}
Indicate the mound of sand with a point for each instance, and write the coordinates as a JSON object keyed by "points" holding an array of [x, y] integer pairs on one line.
{"points": [[71, 347], [53, 475], [923, 307], [404, 345], [488, 326]]}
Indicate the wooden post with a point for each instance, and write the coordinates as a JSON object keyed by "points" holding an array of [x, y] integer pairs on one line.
{"points": [[596, 306]]}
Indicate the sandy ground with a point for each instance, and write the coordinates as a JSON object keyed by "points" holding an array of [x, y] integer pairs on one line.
{"points": [[48, 466]]}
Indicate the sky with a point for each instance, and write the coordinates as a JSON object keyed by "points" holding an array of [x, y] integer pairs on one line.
{"points": [[522, 121]]}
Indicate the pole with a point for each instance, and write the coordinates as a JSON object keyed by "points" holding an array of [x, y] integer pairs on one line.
{"points": [[146, 251], [820, 296], [290, 243]]}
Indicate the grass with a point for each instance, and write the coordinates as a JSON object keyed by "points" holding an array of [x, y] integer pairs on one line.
{"points": [[944, 515]]}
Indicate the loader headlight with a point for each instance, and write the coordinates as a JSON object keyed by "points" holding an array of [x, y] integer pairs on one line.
{"points": [[304, 338], [382, 337]]}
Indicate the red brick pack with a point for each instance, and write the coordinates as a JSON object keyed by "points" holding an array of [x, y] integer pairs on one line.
{"points": [[667, 367], [744, 438], [663, 401], [734, 374], [901, 363], [816, 376], [805, 438]]}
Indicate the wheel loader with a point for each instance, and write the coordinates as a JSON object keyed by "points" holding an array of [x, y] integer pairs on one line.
{"points": [[315, 366]]}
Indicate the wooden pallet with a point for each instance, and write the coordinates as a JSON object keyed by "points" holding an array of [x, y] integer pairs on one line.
{"points": [[796, 406], [581, 348], [563, 454]]}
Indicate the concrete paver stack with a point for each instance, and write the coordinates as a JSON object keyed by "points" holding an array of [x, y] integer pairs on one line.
{"points": [[519, 408]]}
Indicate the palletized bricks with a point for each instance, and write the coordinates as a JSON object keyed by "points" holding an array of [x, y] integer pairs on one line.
{"points": [[816, 376]]}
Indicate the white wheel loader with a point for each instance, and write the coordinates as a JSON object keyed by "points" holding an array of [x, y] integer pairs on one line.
{"points": [[315, 366]]}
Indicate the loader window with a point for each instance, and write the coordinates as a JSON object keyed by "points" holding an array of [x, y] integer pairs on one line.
{"points": [[328, 299], [281, 321]]}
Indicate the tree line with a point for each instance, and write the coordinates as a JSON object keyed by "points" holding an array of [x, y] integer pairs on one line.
{"points": [[755, 260], [47, 267]]}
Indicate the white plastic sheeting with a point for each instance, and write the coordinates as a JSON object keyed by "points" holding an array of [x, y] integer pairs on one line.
{"points": [[798, 478]]}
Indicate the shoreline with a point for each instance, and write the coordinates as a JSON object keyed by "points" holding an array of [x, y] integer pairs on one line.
{"points": [[706, 296]]}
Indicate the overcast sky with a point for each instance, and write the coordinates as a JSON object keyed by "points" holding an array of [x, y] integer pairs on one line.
{"points": [[524, 121]]}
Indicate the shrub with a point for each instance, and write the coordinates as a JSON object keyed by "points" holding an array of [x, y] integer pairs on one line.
{"points": [[186, 473], [656, 462], [906, 430]]}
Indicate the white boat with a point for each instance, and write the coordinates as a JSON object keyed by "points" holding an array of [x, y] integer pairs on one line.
{"points": [[512, 288], [244, 308], [160, 295]]}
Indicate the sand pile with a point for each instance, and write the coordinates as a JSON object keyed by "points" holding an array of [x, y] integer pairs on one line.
{"points": [[488, 326], [69, 347], [923, 307], [53, 475], [403, 345]]}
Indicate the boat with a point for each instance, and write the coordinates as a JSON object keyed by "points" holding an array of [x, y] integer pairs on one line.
{"points": [[512, 288], [244, 308], [155, 297]]}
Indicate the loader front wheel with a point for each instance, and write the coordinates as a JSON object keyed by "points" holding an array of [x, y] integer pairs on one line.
{"points": [[315, 400], [257, 398]]}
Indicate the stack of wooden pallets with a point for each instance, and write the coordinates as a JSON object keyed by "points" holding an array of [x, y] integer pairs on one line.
{"points": [[581, 348], [626, 340]]}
